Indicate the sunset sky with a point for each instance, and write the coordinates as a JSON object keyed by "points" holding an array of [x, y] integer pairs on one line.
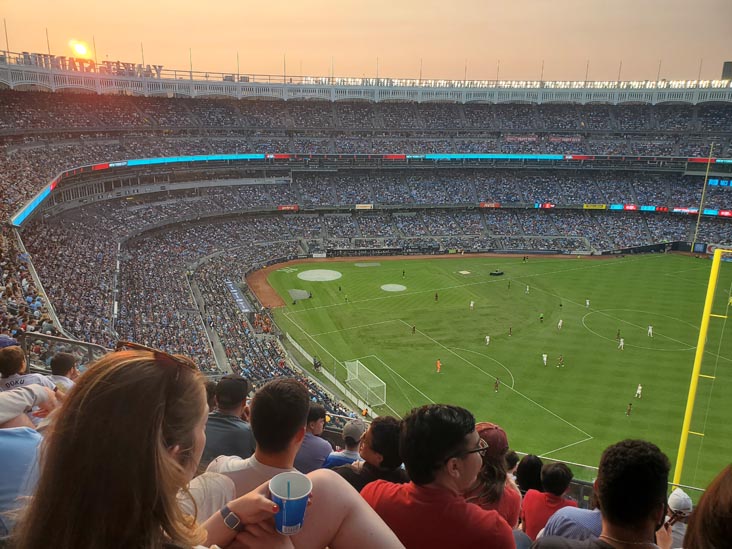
{"points": [[445, 35]]}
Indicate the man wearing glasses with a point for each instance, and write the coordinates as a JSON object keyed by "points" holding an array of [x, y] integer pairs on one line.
{"points": [[442, 453]]}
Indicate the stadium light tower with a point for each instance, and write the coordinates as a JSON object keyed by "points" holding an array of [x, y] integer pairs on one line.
{"points": [[704, 192], [7, 44]]}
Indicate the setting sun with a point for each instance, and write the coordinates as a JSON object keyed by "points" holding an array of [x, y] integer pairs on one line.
{"points": [[80, 49]]}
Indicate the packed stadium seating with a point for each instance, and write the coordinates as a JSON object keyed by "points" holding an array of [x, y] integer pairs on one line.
{"points": [[75, 252]]}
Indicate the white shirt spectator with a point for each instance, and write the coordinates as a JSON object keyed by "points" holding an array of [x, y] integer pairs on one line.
{"points": [[247, 474]]}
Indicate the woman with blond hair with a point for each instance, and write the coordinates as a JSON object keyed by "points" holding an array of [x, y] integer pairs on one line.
{"points": [[126, 441]]}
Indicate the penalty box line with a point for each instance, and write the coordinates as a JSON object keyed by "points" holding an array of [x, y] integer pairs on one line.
{"points": [[398, 374], [585, 433], [543, 454], [392, 373], [355, 327], [327, 352]]}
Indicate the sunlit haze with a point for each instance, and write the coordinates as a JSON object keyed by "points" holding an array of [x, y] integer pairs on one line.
{"points": [[483, 39], [78, 49]]}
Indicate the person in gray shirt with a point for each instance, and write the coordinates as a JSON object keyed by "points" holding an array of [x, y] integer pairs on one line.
{"points": [[314, 449], [226, 432]]}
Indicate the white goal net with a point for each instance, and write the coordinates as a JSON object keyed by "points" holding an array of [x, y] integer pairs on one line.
{"points": [[366, 384]]}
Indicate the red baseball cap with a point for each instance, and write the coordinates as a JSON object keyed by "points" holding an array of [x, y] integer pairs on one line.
{"points": [[494, 436]]}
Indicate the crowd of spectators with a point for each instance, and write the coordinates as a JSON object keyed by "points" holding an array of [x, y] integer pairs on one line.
{"points": [[156, 306], [78, 266], [82, 290], [88, 316], [436, 461], [147, 269], [25, 169]]}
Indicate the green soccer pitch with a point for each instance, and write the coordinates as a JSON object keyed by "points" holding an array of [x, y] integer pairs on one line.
{"points": [[570, 412]]}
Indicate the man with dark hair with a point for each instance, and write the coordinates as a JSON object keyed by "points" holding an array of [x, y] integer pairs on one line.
{"points": [[278, 414], [227, 434], [314, 450], [13, 367], [631, 491], [379, 449], [63, 371], [441, 450], [539, 506]]}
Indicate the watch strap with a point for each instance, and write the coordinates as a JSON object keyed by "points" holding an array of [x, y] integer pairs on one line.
{"points": [[231, 520]]}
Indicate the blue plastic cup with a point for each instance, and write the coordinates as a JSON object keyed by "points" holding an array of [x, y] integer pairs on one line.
{"points": [[291, 491]]}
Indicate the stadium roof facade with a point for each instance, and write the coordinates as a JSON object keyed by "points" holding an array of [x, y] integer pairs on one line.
{"points": [[25, 70]]}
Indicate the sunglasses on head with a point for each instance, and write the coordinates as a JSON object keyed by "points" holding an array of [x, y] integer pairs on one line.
{"points": [[161, 357]]}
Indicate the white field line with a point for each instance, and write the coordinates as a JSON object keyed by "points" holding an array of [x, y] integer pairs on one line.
{"points": [[688, 347], [400, 376], [704, 267], [508, 370], [394, 372], [327, 352], [452, 352], [355, 327], [564, 447], [697, 282], [655, 332], [586, 434], [398, 386], [391, 373]]}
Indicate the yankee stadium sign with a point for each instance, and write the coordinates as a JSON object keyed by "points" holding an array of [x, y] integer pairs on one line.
{"points": [[77, 64]]}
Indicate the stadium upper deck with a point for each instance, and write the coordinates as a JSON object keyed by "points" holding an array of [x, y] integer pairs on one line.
{"points": [[48, 72]]}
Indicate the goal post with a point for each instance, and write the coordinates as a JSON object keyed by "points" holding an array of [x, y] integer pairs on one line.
{"points": [[366, 384]]}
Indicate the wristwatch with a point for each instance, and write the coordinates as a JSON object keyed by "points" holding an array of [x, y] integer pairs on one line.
{"points": [[231, 520]]}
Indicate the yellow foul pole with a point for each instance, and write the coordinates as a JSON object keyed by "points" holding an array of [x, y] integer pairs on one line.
{"points": [[697, 363]]}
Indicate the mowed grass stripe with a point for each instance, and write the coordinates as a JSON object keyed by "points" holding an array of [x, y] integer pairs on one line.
{"points": [[598, 381]]}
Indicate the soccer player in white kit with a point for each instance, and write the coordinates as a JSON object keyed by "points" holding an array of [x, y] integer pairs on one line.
{"points": [[638, 391], [559, 324], [527, 289], [472, 305], [544, 358], [621, 344], [650, 330], [587, 303], [487, 340]]}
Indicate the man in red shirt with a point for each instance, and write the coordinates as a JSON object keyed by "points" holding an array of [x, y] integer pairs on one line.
{"points": [[539, 506], [442, 453]]}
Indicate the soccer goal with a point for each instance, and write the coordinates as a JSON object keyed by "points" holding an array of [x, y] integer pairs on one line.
{"points": [[366, 384]]}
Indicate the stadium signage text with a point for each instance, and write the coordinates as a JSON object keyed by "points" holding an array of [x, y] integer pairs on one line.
{"points": [[77, 64], [241, 302], [521, 138], [565, 139]]}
